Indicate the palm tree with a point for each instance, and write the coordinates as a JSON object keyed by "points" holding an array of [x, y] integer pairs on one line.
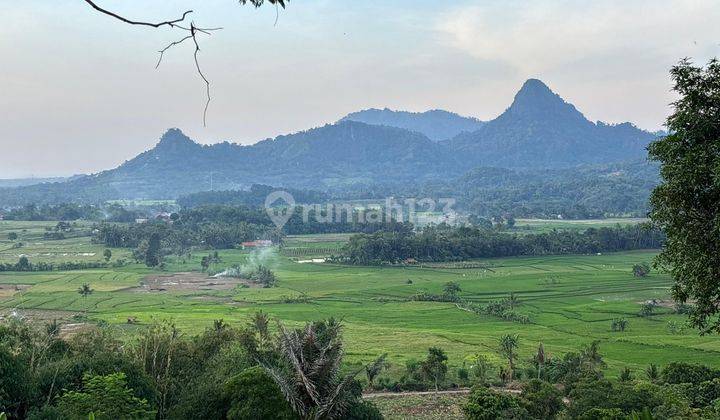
{"points": [[652, 372], [507, 347], [373, 369], [85, 291], [540, 358], [591, 355], [308, 372]]}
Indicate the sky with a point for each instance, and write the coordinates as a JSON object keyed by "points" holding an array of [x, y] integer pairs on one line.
{"points": [[79, 91]]}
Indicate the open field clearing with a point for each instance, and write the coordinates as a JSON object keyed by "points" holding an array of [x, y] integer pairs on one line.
{"points": [[422, 406], [35, 240], [570, 300]]}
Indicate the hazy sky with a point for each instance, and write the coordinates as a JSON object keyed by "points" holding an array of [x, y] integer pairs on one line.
{"points": [[79, 92]]}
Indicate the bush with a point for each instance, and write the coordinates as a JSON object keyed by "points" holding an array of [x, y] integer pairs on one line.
{"points": [[254, 395], [588, 396], [641, 270], [47, 412], [14, 381], [363, 410], [106, 396], [484, 404], [619, 325], [680, 372], [647, 309], [541, 399]]}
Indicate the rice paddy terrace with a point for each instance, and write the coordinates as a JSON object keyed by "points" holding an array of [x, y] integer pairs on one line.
{"points": [[570, 300]]}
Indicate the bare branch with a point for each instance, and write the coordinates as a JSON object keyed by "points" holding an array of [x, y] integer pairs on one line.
{"points": [[170, 23], [192, 32]]}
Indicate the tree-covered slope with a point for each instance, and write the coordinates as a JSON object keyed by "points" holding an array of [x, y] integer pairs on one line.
{"points": [[541, 130], [332, 155]]}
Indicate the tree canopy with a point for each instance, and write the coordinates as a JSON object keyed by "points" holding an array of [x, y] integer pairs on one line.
{"points": [[686, 205]]}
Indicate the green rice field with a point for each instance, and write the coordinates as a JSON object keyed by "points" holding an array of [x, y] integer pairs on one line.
{"points": [[571, 300]]}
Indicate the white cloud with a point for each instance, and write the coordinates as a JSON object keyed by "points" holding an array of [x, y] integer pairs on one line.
{"points": [[536, 37]]}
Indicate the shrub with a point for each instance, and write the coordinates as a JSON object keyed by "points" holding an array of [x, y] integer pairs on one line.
{"points": [[647, 308], [625, 375], [680, 372], [541, 399], [641, 270], [484, 404], [46, 412], [619, 325], [463, 374], [254, 395], [106, 396], [363, 410]]}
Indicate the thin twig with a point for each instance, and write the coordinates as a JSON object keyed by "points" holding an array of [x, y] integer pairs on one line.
{"points": [[172, 44], [197, 65]]}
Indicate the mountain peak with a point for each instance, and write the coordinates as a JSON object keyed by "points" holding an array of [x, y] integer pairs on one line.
{"points": [[535, 99], [534, 92], [535, 84], [174, 139]]}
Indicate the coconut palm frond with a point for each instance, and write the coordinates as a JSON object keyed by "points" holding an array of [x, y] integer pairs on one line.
{"points": [[292, 350], [287, 388], [336, 403]]}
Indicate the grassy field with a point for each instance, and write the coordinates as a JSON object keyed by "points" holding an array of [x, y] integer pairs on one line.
{"points": [[421, 407], [571, 301], [32, 243]]}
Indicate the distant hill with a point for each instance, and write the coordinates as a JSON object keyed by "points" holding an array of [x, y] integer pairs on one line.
{"points": [[23, 182], [436, 124], [541, 130], [538, 131], [344, 153]]}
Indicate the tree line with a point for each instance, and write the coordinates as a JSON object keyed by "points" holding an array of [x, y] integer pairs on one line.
{"points": [[226, 227], [445, 243], [24, 264]]}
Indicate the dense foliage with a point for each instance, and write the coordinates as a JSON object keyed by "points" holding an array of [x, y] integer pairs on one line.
{"points": [[24, 264], [64, 212], [249, 372], [225, 227], [161, 374], [687, 203], [253, 197], [443, 243]]}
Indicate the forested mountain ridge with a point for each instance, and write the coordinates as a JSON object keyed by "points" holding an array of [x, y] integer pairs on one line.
{"points": [[541, 130], [436, 124], [538, 131], [342, 153]]}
